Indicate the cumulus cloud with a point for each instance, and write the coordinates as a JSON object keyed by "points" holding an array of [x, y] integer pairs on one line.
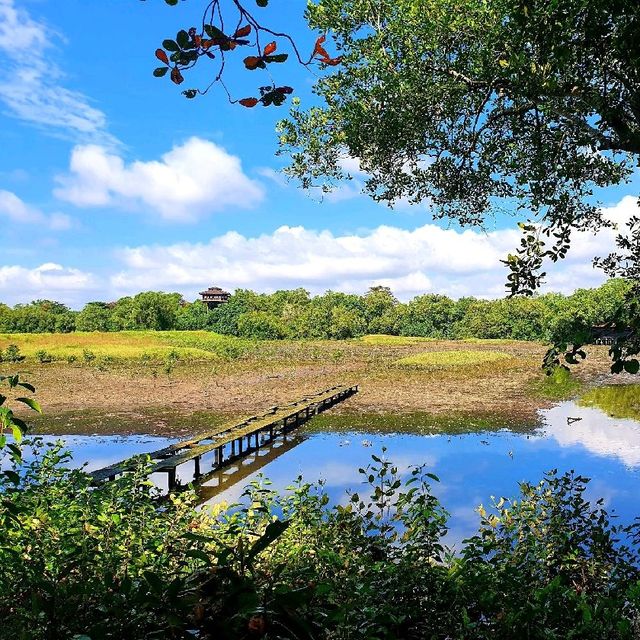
{"points": [[32, 84], [189, 182], [16, 210], [426, 259], [49, 280]]}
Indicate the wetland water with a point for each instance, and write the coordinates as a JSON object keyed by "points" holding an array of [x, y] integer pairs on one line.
{"points": [[472, 466]]}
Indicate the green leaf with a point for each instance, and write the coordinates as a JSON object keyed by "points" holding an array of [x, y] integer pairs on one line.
{"points": [[632, 366], [273, 531], [154, 581], [262, 3], [17, 433], [617, 366], [160, 71], [199, 554], [13, 476], [182, 38], [170, 45], [213, 32], [30, 402], [278, 57]]}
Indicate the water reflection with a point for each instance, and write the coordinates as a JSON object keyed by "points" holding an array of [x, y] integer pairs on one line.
{"points": [[617, 401], [573, 425]]}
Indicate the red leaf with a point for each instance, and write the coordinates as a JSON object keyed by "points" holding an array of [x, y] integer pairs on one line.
{"points": [[162, 56], [270, 48], [332, 62], [197, 40], [244, 31], [252, 62], [319, 50], [176, 76], [248, 102], [286, 90]]}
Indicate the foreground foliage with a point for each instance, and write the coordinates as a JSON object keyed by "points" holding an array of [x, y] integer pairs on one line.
{"points": [[114, 562]]}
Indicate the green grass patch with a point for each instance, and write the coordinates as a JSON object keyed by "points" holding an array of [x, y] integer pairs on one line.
{"points": [[394, 341], [560, 385], [454, 358], [617, 401], [164, 421]]}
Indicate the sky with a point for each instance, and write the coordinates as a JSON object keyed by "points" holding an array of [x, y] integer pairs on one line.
{"points": [[111, 182]]}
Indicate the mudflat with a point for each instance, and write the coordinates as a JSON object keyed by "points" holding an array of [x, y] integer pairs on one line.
{"points": [[176, 383]]}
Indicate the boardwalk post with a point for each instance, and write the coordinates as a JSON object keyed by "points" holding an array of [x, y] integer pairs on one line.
{"points": [[275, 422], [171, 478]]}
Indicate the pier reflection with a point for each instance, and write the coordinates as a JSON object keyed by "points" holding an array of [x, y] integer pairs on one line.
{"points": [[220, 480]]}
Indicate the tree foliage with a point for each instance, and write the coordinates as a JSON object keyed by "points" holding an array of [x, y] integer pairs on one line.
{"points": [[479, 107], [229, 27]]}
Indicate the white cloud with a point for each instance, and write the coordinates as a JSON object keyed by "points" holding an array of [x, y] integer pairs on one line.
{"points": [[49, 280], [425, 259], [12, 207], [31, 85], [187, 183]]}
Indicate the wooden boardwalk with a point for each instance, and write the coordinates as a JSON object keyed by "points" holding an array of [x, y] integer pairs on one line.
{"points": [[230, 442]]}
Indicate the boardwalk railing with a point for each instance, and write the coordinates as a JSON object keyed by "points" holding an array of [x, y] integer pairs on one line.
{"points": [[231, 441]]}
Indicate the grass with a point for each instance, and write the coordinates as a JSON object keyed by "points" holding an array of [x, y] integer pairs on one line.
{"points": [[452, 358], [125, 345], [133, 385], [396, 341], [561, 385]]}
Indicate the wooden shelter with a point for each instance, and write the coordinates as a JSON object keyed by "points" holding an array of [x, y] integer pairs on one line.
{"points": [[605, 334], [214, 296]]}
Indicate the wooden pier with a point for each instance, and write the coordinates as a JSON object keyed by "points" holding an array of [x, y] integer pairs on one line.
{"points": [[230, 442]]}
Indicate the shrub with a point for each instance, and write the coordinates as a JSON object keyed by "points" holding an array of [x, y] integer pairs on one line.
{"points": [[43, 356], [12, 354], [261, 325], [88, 356], [114, 562]]}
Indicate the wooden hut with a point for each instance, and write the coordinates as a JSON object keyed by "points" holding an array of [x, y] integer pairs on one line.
{"points": [[214, 296]]}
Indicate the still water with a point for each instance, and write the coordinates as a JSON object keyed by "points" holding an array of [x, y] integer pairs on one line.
{"points": [[472, 467]]}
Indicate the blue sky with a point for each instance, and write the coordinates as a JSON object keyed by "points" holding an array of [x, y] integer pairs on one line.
{"points": [[111, 182]]}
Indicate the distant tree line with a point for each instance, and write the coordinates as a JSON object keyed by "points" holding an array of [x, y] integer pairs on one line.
{"points": [[332, 315]]}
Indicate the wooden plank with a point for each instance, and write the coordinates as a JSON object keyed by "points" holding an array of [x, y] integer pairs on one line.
{"points": [[169, 458]]}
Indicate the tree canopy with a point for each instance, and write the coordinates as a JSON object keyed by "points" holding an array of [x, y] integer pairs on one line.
{"points": [[478, 107]]}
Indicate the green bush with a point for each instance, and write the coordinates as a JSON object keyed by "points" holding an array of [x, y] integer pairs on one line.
{"points": [[12, 354], [43, 356]]}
